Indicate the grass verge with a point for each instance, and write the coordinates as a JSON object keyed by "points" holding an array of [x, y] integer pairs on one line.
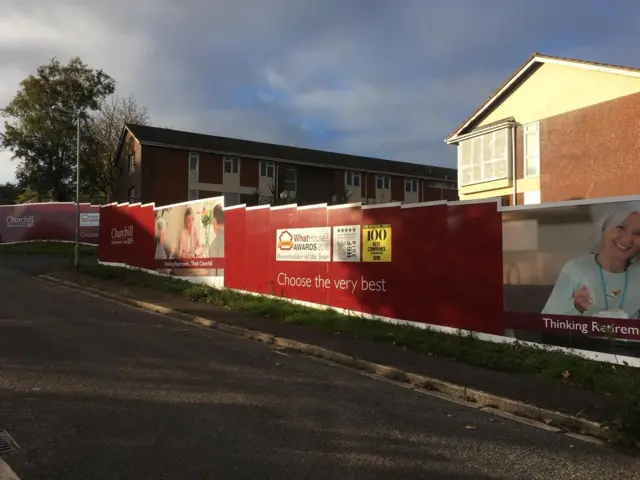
{"points": [[47, 248], [603, 378]]}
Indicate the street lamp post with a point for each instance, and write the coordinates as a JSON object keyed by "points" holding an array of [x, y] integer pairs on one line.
{"points": [[78, 115]]}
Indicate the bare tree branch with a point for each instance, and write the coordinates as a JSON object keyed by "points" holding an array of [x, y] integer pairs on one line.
{"points": [[114, 112]]}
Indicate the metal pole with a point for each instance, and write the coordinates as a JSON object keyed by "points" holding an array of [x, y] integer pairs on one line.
{"points": [[77, 249]]}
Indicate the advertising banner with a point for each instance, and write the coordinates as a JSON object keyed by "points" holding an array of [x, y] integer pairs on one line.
{"points": [[376, 240], [189, 238], [572, 276], [48, 221], [346, 243], [303, 244]]}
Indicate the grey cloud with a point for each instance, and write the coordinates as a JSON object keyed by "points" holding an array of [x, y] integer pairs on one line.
{"points": [[388, 79]]}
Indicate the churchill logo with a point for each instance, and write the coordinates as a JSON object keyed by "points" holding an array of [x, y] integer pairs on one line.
{"points": [[122, 236], [20, 222]]}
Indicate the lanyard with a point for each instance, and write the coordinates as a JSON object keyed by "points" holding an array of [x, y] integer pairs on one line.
{"points": [[604, 289]]}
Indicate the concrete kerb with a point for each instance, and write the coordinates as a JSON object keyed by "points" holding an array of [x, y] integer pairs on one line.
{"points": [[482, 399]]}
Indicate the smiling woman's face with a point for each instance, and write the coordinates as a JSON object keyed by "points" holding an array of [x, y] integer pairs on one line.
{"points": [[623, 240], [188, 222]]}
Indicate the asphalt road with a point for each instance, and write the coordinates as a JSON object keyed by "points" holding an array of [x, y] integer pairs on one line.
{"points": [[94, 390]]}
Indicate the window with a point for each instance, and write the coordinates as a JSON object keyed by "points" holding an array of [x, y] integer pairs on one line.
{"points": [[194, 166], [411, 185], [290, 179], [267, 169], [131, 194], [231, 199], [353, 179], [532, 150], [443, 185], [382, 182], [131, 161], [484, 158], [193, 195], [231, 165]]}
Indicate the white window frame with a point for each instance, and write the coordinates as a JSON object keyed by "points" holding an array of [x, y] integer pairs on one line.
{"points": [[352, 179], [193, 194], [411, 185], [285, 181], [485, 163], [529, 129], [234, 165], [383, 180], [194, 173], [442, 185], [131, 193], [267, 169], [131, 162]]}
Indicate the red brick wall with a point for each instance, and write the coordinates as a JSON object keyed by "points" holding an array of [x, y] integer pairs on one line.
{"points": [[165, 175], [249, 172], [339, 180], [591, 152], [519, 153], [125, 181], [210, 168], [397, 189], [370, 187]]}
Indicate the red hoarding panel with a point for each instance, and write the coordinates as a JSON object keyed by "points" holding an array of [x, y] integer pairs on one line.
{"points": [[235, 219], [143, 219], [418, 261], [380, 286], [300, 267], [474, 259], [259, 250], [345, 268], [46, 221], [126, 235], [108, 220], [283, 277]]}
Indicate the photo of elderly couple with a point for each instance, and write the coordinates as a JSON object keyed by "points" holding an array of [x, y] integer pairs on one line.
{"points": [[579, 260], [186, 232]]}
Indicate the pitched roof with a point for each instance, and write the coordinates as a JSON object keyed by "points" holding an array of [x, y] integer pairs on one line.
{"points": [[523, 72], [232, 146]]}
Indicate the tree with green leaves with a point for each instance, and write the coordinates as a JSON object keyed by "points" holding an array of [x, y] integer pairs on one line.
{"points": [[9, 193], [43, 139]]}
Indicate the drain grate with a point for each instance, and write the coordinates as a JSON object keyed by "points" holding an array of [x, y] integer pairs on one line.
{"points": [[7, 443]]}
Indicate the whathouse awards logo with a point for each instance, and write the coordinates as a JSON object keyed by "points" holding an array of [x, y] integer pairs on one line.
{"points": [[123, 236], [20, 222], [285, 241]]}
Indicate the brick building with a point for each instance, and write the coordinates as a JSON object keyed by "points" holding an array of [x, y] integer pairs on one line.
{"points": [[557, 129], [168, 166]]}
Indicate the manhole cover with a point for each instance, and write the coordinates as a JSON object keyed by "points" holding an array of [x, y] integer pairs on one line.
{"points": [[7, 443]]}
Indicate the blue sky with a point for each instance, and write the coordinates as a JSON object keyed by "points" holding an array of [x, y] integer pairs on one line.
{"points": [[369, 77]]}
